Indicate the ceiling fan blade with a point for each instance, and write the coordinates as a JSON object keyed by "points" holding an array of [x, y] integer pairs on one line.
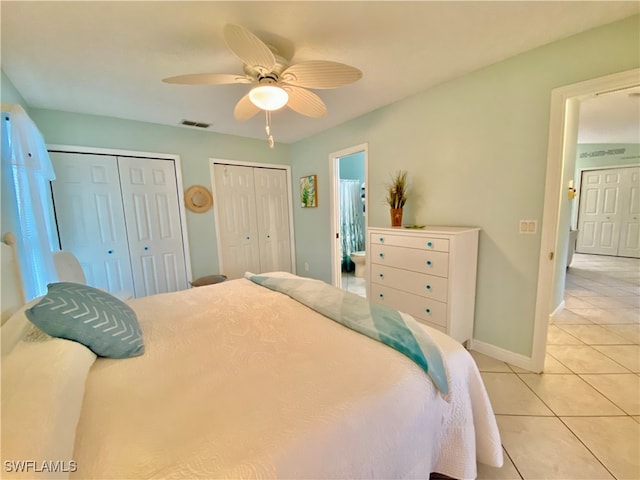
{"points": [[245, 109], [320, 74], [305, 102], [249, 49], [208, 79]]}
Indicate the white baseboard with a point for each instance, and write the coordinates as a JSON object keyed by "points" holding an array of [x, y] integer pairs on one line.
{"points": [[501, 354], [558, 309]]}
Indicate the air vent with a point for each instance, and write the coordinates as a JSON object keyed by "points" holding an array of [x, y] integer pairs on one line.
{"points": [[191, 123]]}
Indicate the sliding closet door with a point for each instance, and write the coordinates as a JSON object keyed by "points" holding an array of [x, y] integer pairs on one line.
{"points": [[152, 215], [609, 212], [272, 201], [630, 215], [237, 222], [89, 214]]}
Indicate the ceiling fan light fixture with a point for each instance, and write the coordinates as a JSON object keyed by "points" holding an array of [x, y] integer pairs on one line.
{"points": [[268, 97]]}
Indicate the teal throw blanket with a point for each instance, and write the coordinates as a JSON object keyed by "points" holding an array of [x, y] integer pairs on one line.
{"points": [[376, 321]]}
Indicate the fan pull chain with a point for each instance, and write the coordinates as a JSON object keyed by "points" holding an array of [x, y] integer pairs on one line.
{"points": [[268, 129]]}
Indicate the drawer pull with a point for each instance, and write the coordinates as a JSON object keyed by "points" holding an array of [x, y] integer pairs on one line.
{"points": [[381, 255], [381, 239], [428, 311], [382, 275], [381, 295], [429, 263], [430, 244], [428, 287]]}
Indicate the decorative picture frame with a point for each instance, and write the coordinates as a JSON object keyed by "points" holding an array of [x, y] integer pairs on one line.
{"points": [[309, 191]]}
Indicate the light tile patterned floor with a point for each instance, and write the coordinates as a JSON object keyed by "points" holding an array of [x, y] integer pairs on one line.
{"points": [[581, 418], [353, 284]]}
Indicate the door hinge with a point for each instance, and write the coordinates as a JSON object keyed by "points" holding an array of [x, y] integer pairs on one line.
{"points": [[551, 255], [337, 235]]}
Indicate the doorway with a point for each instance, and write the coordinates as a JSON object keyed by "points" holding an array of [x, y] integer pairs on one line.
{"points": [[349, 218], [563, 129]]}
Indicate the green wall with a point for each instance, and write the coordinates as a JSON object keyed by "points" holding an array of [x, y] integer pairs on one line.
{"points": [[475, 149], [606, 155]]}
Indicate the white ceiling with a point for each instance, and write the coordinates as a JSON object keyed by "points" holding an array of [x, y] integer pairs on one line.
{"points": [[108, 58], [610, 117]]}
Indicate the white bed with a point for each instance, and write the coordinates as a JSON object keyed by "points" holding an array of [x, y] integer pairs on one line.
{"points": [[239, 381]]}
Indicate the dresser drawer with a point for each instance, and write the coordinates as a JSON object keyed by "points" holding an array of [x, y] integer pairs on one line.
{"points": [[423, 261], [425, 243], [421, 308], [418, 283]]}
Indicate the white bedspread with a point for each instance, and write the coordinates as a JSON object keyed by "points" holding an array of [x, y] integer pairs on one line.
{"points": [[239, 381]]}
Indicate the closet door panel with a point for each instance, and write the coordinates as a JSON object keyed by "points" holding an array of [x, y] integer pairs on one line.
{"points": [[599, 212], [89, 213], [630, 215], [152, 214], [237, 220], [271, 191]]}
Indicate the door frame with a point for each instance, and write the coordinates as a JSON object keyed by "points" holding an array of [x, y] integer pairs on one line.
{"points": [[562, 124], [152, 155], [216, 216], [334, 220]]}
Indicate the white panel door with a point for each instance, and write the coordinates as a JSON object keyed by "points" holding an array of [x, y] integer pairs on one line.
{"points": [[237, 223], [272, 201], [89, 214], [598, 218], [152, 215], [630, 214]]}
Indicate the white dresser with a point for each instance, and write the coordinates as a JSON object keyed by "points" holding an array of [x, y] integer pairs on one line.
{"points": [[428, 273]]}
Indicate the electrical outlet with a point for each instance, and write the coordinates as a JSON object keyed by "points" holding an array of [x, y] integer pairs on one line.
{"points": [[306, 266], [528, 226]]}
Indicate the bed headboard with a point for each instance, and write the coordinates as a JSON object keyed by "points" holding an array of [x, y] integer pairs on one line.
{"points": [[12, 296]]}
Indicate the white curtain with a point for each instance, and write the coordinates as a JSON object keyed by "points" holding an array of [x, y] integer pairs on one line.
{"points": [[26, 173], [351, 218]]}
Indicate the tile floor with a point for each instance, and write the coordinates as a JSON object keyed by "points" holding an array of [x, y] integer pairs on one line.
{"points": [[581, 418], [353, 284]]}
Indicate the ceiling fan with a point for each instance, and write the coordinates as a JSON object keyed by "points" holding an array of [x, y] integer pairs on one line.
{"points": [[275, 82]]}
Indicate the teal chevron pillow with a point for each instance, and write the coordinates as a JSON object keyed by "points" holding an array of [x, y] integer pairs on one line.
{"points": [[98, 320]]}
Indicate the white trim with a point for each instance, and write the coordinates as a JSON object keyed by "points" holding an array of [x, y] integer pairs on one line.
{"points": [[503, 355], [334, 175], [241, 163], [111, 151], [560, 97], [160, 156], [558, 309]]}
